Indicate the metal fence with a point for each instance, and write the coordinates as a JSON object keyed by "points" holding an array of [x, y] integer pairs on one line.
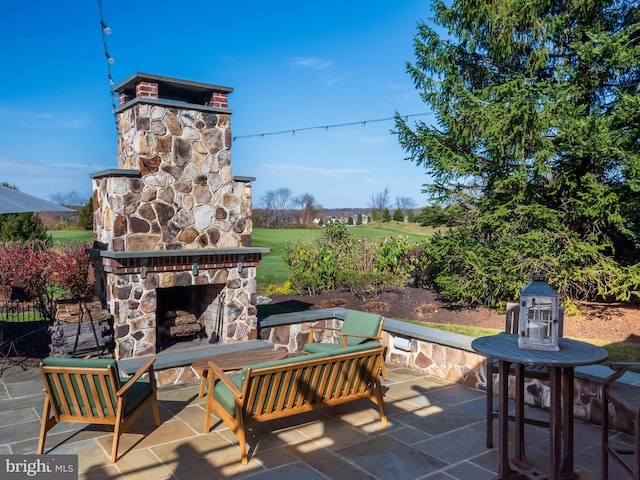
{"points": [[21, 311]]}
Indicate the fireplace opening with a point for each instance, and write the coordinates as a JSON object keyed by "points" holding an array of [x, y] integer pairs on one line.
{"points": [[189, 316]]}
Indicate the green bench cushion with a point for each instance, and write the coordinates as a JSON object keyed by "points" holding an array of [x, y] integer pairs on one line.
{"points": [[224, 396]]}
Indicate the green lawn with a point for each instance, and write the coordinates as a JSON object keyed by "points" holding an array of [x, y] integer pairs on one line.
{"points": [[71, 235]]}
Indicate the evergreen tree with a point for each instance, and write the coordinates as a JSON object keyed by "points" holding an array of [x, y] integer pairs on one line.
{"points": [[538, 121], [398, 216], [85, 216], [386, 215], [21, 226]]}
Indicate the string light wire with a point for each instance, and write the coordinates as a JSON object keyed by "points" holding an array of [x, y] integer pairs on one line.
{"points": [[293, 131], [106, 31]]}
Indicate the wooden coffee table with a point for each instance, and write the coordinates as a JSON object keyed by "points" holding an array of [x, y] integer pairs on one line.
{"points": [[235, 361]]}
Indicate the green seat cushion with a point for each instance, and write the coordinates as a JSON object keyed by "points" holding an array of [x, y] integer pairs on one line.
{"points": [[80, 362], [137, 394], [224, 395]]}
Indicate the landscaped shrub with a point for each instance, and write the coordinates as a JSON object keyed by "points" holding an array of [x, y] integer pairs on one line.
{"points": [[340, 259], [73, 270], [29, 266], [391, 260], [273, 289], [46, 273]]}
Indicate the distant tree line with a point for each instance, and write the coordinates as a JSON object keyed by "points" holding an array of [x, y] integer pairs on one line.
{"points": [[279, 208]]}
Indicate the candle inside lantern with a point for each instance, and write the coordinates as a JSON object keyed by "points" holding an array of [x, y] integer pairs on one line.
{"points": [[538, 314], [537, 331]]}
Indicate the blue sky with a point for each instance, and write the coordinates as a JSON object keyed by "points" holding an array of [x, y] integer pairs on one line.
{"points": [[291, 64]]}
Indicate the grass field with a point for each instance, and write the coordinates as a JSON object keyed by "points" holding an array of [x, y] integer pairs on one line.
{"points": [[71, 235], [272, 270]]}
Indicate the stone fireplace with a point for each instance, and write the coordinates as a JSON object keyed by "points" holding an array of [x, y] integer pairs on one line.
{"points": [[172, 226]]}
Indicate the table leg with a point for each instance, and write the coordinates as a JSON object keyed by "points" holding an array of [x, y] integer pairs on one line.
{"points": [[505, 472], [555, 422], [519, 417], [566, 466]]}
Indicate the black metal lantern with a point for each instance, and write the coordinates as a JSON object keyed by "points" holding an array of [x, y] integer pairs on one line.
{"points": [[538, 315]]}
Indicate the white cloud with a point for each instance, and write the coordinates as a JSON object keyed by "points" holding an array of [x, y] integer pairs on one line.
{"points": [[331, 80], [34, 119], [378, 140], [312, 63], [318, 173]]}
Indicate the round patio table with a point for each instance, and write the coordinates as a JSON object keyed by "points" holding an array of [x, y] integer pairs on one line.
{"points": [[504, 347], [235, 361]]}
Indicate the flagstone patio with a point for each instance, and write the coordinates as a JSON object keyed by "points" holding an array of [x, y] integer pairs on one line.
{"points": [[436, 431]]}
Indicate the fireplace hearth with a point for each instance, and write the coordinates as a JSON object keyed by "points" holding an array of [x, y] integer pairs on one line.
{"points": [[172, 225]]}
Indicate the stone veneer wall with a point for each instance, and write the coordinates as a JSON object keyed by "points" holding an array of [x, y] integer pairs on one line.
{"points": [[184, 197]]}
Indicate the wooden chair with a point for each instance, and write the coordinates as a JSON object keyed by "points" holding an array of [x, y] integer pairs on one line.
{"points": [[90, 391], [626, 399], [512, 325], [357, 328]]}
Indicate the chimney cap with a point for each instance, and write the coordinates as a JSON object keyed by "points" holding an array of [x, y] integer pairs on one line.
{"points": [[172, 88]]}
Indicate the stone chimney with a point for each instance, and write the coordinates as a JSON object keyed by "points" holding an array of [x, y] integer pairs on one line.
{"points": [[172, 214]]}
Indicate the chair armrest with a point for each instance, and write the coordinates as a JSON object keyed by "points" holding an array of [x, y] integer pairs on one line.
{"points": [[144, 368], [312, 329], [345, 337], [620, 368], [216, 372], [624, 365]]}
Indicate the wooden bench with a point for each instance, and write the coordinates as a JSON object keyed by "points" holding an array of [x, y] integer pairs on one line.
{"points": [[293, 385]]}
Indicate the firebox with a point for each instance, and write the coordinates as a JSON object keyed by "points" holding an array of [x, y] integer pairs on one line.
{"points": [[172, 225], [189, 314]]}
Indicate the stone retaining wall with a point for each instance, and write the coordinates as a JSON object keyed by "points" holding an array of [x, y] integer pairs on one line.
{"points": [[444, 355]]}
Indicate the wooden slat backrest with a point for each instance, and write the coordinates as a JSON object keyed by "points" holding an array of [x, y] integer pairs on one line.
{"points": [[82, 392], [273, 391]]}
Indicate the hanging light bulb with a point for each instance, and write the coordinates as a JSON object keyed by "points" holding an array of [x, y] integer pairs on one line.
{"points": [[105, 28]]}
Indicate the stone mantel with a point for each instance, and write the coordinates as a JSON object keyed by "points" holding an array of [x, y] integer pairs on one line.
{"points": [[191, 253], [193, 260]]}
